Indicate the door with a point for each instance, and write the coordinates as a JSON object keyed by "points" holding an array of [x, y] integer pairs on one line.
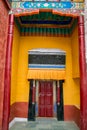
{"points": [[45, 99]]}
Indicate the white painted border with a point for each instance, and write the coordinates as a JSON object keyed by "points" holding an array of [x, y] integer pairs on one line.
{"points": [[11, 123], [16, 119]]}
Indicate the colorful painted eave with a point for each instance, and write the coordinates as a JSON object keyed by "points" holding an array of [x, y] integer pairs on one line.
{"points": [[63, 8]]}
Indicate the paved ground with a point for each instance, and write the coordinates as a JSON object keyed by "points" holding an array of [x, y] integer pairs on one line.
{"points": [[45, 124]]}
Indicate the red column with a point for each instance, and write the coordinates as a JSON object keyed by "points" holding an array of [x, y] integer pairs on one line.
{"points": [[83, 81], [33, 93], [58, 93], [7, 82]]}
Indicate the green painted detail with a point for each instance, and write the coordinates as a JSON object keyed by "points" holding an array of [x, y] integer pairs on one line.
{"points": [[73, 26], [18, 25], [64, 31], [60, 31], [47, 16]]}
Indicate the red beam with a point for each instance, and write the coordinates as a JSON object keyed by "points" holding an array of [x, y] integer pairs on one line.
{"points": [[83, 82], [7, 82]]}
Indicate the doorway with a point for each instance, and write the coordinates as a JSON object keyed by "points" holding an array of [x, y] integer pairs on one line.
{"points": [[43, 99]]}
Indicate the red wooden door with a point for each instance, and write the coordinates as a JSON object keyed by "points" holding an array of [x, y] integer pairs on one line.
{"points": [[45, 99]]}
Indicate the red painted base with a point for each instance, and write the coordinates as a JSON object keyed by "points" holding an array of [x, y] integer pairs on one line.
{"points": [[18, 109], [72, 113]]}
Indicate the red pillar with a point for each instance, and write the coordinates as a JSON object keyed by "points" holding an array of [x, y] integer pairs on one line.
{"points": [[58, 93], [7, 82], [33, 93], [83, 81]]}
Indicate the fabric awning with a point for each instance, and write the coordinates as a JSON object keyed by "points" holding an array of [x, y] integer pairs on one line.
{"points": [[46, 74]]}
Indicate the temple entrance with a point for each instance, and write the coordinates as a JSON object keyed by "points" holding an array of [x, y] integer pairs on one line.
{"points": [[55, 62], [45, 99]]}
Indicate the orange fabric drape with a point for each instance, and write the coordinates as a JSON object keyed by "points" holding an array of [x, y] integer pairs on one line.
{"points": [[46, 74]]}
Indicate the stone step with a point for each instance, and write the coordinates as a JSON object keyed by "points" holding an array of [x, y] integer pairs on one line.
{"points": [[45, 124], [44, 120]]}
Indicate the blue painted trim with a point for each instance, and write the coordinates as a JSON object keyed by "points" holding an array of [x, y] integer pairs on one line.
{"points": [[47, 66], [48, 5], [63, 6], [59, 5], [42, 4]]}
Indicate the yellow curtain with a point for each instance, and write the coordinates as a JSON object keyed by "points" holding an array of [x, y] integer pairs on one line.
{"points": [[46, 74]]}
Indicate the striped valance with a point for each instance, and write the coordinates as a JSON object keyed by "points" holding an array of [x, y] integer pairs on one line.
{"points": [[46, 64]]}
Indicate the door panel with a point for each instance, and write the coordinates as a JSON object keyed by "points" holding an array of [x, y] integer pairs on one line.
{"points": [[49, 111], [45, 99], [42, 111], [48, 99], [41, 99]]}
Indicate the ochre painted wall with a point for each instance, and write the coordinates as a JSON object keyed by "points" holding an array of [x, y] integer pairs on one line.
{"points": [[72, 83], [75, 53], [75, 64], [15, 60], [71, 86], [27, 43]]}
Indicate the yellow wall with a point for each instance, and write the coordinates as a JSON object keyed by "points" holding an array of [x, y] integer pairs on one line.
{"points": [[72, 83], [75, 53], [71, 86], [15, 51], [27, 43]]}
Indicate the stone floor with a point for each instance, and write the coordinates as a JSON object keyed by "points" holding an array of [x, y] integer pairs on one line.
{"points": [[45, 124]]}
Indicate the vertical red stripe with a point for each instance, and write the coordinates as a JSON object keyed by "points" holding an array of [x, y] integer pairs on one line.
{"points": [[83, 82], [58, 93], [7, 82], [58, 100], [33, 92]]}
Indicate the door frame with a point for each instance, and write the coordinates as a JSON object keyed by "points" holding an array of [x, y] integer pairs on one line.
{"points": [[33, 108]]}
